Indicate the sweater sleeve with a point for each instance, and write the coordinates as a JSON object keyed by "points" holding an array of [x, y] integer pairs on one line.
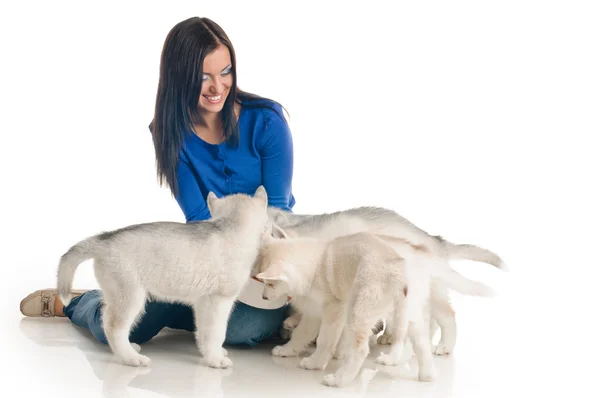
{"points": [[190, 198], [277, 156]]}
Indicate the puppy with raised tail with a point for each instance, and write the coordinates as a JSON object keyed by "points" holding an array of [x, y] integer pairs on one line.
{"points": [[343, 286], [382, 221], [203, 264]]}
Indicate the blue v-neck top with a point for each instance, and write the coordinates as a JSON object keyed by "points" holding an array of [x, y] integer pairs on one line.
{"points": [[264, 157]]}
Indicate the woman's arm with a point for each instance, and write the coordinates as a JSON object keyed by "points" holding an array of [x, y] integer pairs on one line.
{"points": [[277, 154], [189, 197]]}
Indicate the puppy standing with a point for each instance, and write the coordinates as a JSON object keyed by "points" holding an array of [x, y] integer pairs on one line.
{"points": [[348, 284], [382, 221], [204, 264]]}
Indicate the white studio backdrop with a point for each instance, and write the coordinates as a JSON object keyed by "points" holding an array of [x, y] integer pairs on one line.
{"points": [[475, 120]]}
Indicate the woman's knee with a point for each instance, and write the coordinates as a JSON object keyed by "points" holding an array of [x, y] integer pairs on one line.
{"points": [[248, 326], [87, 313], [156, 316]]}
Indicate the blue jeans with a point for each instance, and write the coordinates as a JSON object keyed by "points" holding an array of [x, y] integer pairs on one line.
{"points": [[247, 325]]}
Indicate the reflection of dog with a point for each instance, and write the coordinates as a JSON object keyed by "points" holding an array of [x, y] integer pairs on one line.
{"points": [[382, 221], [204, 264]]}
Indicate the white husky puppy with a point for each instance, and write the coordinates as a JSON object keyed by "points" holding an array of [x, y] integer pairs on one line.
{"points": [[204, 264], [382, 221], [348, 284]]}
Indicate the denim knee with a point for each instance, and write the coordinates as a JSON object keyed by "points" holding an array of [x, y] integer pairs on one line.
{"points": [[248, 326], [86, 311]]}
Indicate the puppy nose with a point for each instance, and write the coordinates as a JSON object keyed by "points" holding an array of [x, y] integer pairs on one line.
{"points": [[265, 297]]}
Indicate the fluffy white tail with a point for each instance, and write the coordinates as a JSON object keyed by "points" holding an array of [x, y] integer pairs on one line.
{"points": [[69, 262], [461, 284], [473, 253]]}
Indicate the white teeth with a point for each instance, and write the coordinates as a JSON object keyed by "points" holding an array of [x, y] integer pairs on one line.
{"points": [[214, 99]]}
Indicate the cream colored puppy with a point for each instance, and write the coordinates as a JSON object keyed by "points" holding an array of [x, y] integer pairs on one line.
{"points": [[349, 283]]}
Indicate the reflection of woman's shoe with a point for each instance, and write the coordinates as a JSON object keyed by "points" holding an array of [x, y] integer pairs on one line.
{"points": [[52, 332], [43, 303]]}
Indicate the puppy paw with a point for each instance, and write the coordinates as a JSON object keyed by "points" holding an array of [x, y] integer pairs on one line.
{"points": [[283, 351], [285, 334], [219, 362], [137, 360], [311, 363], [388, 360], [442, 349], [330, 380], [385, 339], [339, 354], [291, 323], [224, 352], [426, 375]]}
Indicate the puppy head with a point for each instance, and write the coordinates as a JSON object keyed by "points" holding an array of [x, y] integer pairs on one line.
{"points": [[276, 282], [271, 268], [239, 204]]}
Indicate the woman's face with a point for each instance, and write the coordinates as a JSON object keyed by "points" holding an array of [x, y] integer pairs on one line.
{"points": [[216, 80]]}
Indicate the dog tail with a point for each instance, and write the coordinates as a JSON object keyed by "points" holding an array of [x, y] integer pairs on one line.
{"points": [[473, 253], [461, 284], [69, 262]]}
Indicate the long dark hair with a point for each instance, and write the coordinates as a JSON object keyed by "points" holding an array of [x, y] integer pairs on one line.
{"points": [[179, 86]]}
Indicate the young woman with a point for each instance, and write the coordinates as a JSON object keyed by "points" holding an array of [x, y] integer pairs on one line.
{"points": [[208, 136]]}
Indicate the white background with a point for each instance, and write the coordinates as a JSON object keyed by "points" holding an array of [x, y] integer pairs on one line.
{"points": [[476, 120]]}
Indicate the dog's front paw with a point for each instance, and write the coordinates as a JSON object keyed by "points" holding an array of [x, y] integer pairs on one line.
{"points": [[285, 334], [330, 380], [388, 360], [284, 351], [291, 323], [224, 352], [339, 354], [385, 339], [442, 349], [221, 362], [137, 360], [311, 363], [426, 375]]}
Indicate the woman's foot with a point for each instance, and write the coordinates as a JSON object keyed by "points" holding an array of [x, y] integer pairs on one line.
{"points": [[45, 303]]}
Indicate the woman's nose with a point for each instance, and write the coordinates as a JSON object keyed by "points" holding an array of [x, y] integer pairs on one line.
{"points": [[216, 86]]}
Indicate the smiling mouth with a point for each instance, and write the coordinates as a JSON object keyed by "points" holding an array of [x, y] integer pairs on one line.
{"points": [[215, 99]]}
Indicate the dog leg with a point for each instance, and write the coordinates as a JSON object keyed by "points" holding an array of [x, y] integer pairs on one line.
{"points": [[444, 315], [332, 325], [420, 337], [118, 317], [212, 314], [303, 335]]}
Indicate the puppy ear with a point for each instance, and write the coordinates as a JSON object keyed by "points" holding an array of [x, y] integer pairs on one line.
{"points": [[211, 198], [281, 218], [261, 192], [271, 274], [278, 232]]}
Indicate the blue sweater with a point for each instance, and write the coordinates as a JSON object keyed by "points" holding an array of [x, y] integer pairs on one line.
{"points": [[264, 156]]}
